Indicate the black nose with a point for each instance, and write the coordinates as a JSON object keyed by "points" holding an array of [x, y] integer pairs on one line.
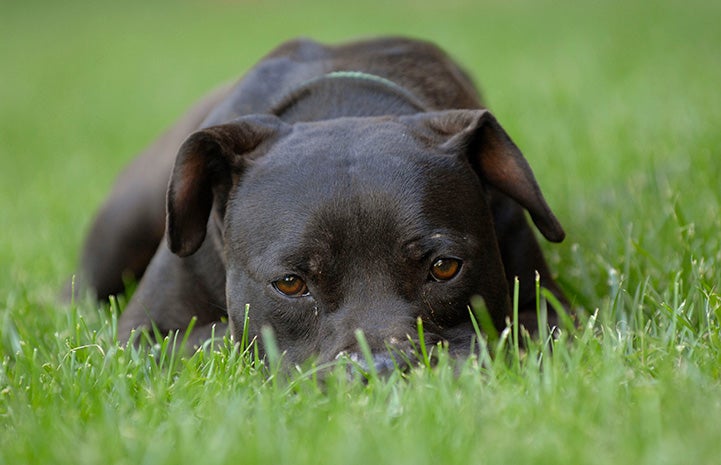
{"points": [[383, 364]]}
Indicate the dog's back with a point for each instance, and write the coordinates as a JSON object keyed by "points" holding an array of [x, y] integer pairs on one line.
{"points": [[419, 67]]}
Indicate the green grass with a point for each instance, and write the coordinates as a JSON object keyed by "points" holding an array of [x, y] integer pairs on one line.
{"points": [[616, 105]]}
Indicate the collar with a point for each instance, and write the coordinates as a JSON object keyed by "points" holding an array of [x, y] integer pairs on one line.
{"points": [[357, 76]]}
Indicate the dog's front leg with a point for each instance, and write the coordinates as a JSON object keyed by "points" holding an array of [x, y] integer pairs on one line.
{"points": [[174, 290]]}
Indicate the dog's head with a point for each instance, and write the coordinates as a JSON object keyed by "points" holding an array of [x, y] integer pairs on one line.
{"points": [[354, 223]]}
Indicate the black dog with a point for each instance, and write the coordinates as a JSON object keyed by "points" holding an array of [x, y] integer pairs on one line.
{"points": [[332, 189]]}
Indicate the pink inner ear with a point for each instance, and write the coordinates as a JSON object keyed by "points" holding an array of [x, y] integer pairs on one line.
{"points": [[478, 134], [206, 162], [505, 168], [190, 199]]}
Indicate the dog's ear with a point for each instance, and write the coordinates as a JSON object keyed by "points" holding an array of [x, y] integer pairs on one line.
{"points": [[207, 165], [477, 135]]}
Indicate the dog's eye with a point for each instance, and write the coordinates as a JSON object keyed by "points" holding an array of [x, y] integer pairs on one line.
{"points": [[291, 286], [445, 268]]}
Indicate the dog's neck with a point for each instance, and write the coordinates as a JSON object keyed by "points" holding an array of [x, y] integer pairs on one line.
{"points": [[346, 94]]}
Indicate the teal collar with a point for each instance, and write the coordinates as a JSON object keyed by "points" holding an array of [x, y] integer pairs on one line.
{"points": [[383, 82], [368, 78]]}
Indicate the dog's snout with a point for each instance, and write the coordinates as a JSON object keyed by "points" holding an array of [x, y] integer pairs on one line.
{"points": [[383, 364], [392, 342]]}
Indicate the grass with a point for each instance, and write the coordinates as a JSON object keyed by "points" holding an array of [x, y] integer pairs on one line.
{"points": [[616, 106]]}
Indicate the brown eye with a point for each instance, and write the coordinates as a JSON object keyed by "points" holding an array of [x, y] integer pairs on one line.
{"points": [[291, 286], [445, 269]]}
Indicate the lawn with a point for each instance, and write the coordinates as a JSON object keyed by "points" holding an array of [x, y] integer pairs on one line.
{"points": [[616, 105]]}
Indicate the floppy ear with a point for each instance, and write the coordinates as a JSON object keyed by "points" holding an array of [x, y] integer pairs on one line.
{"points": [[205, 168], [498, 161]]}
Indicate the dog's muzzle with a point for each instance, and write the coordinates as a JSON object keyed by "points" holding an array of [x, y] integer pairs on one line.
{"points": [[381, 364]]}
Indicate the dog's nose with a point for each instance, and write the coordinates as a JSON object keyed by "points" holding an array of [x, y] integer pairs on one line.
{"points": [[383, 363]]}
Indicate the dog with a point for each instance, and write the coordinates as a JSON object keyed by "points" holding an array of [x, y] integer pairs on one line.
{"points": [[332, 189]]}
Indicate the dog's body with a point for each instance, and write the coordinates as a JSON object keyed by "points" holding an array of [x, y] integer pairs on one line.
{"points": [[332, 189]]}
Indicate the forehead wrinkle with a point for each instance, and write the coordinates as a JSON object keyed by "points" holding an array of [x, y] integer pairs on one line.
{"points": [[357, 228], [344, 219]]}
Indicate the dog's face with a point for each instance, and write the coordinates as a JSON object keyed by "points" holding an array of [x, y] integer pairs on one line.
{"points": [[352, 224]]}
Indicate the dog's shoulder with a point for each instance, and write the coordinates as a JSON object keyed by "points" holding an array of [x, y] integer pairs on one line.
{"points": [[422, 67]]}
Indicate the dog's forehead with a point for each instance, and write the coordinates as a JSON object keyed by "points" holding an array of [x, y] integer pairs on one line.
{"points": [[369, 176], [348, 139], [320, 161]]}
